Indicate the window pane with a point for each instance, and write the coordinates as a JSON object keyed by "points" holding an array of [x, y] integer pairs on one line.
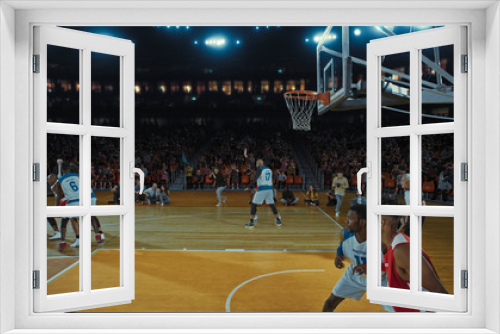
{"points": [[438, 168], [63, 182], [106, 258], [63, 255], [437, 248], [105, 171], [105, 89], [437, 86], [395, 89], [395, 245], [63, 85], [395, 170]]}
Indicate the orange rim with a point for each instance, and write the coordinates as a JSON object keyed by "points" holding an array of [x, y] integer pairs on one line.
{"points": [[307, 95]]}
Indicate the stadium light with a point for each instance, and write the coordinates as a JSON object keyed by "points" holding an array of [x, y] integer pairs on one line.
{"points": [[317, 38], [195, 42], [357, 32], [238, 42], [307, 40], [257, 28], [215, 41]]}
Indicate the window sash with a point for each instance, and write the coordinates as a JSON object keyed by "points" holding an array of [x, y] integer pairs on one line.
{"points": [[86, 43], [413, 43]]}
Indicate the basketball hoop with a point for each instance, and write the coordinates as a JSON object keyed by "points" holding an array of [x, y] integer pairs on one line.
{"points": [[301, 104]]}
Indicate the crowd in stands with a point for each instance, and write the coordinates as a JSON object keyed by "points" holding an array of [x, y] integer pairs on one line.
{"points": [[234, 152], [345, 150], [164, 151]]}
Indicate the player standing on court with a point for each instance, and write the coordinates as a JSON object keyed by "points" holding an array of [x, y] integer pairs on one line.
{"points": [[264, 181]]}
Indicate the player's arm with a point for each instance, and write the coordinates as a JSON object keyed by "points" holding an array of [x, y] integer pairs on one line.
{"points": [[57, 189], [430, 281], [402, 260], [339, 258]]}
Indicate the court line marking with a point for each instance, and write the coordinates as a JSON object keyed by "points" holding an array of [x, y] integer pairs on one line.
{"points": [[230, 250], [68, 268], [326, 214], [77, 262], [333, 220], [230, 296], [208, 213]]}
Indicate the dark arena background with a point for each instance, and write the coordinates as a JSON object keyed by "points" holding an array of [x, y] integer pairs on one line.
{"points": [[212, 98]]}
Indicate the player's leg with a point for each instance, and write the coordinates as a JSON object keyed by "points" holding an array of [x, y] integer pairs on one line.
{"points": [[270, 201], [96, 224], [347, 287], [53, 224], [331, 303], [62, 243], [74, 224], [253, 214], [276, 214]]}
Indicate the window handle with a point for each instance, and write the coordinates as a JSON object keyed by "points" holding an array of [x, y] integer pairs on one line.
{"points": [[139, 171], [368, 172]]}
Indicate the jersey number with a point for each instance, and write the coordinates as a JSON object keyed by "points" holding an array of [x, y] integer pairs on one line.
{"points": [[360, 260], [268, 176], [73, 186]]}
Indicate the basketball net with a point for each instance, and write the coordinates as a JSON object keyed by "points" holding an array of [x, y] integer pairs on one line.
{"points": [[301, 104]]}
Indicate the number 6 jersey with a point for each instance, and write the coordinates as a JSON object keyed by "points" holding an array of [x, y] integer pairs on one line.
{"points": [[70, 186]]}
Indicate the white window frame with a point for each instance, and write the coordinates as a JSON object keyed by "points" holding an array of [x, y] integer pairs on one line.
{"points": [[414, 43], [484, 47], [85, 43]]}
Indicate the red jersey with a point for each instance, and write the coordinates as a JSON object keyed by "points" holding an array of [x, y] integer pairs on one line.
{"points": [[393, 279]]}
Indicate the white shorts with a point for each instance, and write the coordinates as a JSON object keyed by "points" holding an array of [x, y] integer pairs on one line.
{"points": [[263, 195], [348, 287]]}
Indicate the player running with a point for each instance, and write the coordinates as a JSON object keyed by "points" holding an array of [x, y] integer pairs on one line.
{"points": [[264, 181], [352, 247]]}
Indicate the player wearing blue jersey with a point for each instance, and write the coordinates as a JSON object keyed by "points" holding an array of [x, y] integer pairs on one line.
{"points": [[68, 186], [352, 248], [264, 184]]}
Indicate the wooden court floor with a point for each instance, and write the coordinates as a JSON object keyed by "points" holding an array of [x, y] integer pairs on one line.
{"points": [[194, 257]]}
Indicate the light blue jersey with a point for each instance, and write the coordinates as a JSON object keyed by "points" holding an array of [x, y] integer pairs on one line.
{"points": [[265, 180], [70, 185], [355, 251]]}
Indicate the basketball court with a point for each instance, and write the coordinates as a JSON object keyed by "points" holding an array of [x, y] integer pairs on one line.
{"points": [[201, 258]]}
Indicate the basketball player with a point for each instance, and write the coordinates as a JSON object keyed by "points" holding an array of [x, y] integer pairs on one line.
{"points": [[69, 189], [352, 246], [52, 179], [397, 261], [264, 181]]}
